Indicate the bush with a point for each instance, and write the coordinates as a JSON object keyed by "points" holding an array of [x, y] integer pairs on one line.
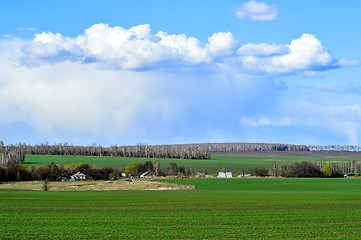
{"points": [[50, 172], [259, 171], [305, 169], [327, 171], [134, 169], [285, 170]]}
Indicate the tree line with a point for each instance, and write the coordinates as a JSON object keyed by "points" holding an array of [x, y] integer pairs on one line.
{"points": [[53, 172], [335, 148], [16, 153], [253, 147], [309, 169]]}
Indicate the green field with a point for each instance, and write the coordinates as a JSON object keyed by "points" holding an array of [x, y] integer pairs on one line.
{"points": [[254, 208], [213, 165]]}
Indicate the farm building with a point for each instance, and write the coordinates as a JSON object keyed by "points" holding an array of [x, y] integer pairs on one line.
{"points": [[78, 176], [224, 175], [244, 175], [199, 175], [147, 175]]}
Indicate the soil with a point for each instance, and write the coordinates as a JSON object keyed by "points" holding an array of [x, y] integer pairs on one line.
{"points": [[138, 184]]}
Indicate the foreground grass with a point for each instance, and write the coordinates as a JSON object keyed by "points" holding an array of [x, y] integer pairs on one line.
{"points": [[218, 209], [216, 163]]}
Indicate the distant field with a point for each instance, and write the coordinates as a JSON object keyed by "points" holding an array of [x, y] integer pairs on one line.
{"points": [[322, 154], [216, 163], [255, 208]]}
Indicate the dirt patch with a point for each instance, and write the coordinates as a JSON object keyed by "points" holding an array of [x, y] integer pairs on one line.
{"points": [[96, 185], [323, 154]]}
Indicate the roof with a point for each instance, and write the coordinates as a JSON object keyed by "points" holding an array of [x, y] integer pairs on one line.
{"points": [[224, 174], [147, 174]]}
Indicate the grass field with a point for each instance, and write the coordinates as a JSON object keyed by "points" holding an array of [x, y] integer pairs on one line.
{"points": [[213, 165], [254, 208]]}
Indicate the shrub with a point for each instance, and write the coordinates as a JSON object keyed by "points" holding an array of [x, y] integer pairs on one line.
{"points": [[285, 170], [50, 172], [133, 169], [305, 169], [259, 171], [327, 171]]}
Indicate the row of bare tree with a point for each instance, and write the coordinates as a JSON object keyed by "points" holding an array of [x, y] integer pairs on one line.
{"points": [[239, 147], [335, 148], [16, 153]]}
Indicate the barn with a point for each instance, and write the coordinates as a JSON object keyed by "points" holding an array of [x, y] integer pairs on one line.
{"points": [[224, 175]]}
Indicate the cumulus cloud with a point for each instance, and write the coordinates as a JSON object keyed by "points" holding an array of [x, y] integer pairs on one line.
{"points": [[304, 54], [262, 49], [257, 11], [132, 48], [221, 44], [80, 102], [137, 48]]}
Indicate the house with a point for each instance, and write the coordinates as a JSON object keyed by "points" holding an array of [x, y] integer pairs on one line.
{"points": [[147, 175], [200, 175], [224, 175], [78, 176], [244, 175]]}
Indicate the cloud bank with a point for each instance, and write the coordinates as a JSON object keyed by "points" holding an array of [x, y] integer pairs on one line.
{"points": [[137, 48], [256, 11], [116, 85], [73, 101]]}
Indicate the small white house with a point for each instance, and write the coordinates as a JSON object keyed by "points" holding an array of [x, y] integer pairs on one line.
{"points": [[78, 176], [147, 175], [244, 175], [224, 175]]}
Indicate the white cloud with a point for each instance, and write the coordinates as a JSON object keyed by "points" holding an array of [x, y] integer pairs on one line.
{"points": [[345, 88], [137, 48], [221, 44], [266, 121], [347, 63], [27, 29], [305, 54], [69, 100], [127, 48], [257, 11], [354, 109], [53, 48], [262, 49], [330, 87], [7, 36]]}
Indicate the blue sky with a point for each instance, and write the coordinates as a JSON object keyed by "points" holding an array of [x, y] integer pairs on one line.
{"points": [[164, 72]]}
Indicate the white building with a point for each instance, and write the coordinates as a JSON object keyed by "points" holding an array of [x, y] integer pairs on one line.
{"points": [[147, 175], [224, 175]]}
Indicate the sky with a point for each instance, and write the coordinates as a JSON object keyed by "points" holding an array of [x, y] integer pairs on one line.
{"points": [[167, 72]]}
